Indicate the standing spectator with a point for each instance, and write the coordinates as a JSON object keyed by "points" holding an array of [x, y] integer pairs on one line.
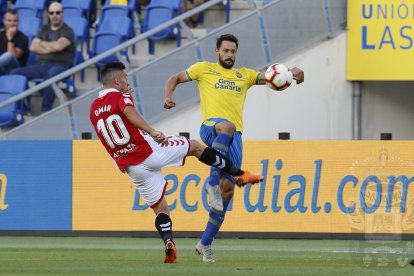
{"points": [[54, 46], [14, 45]]}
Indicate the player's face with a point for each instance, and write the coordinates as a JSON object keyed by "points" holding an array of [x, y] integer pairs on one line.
{"points": [[227, 54], [122, 80]]}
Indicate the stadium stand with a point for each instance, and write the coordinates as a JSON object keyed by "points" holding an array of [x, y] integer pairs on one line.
{"points": [[104, 41], [69, 82], [3, 9], [29, 26], [11, 85], [112, 11], [140, 59], [70, 12], [86, 6], [80, 27], [30, 8], [157, 13]]}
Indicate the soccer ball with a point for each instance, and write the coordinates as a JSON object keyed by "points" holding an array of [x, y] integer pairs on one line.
{"points": [[278, 76]]}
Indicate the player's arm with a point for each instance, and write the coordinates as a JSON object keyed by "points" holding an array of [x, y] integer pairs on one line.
{"points": [[170, 86], [46, 47], [297, 73], [137, 120], [261, 79]]}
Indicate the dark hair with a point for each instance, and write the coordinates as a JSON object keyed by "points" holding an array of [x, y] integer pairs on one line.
{"points": [[227, 37], [14, 12], [111, 67]]}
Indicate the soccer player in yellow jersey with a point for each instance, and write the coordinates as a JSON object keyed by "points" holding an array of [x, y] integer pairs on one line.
{"points": [[222, 91]]}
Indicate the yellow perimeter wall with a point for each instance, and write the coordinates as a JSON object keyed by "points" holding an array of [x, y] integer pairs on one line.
{"points": [[310, 186]]}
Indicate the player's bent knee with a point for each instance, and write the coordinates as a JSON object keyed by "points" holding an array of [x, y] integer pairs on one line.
{"points": [[226, 127]]}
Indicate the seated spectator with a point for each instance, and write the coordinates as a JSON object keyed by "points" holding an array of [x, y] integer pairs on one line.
{"points": [[193, 20], [55, 47], [14, 45]]}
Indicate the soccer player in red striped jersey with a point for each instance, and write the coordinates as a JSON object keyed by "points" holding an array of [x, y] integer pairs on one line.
{"points": [[141, 151]]}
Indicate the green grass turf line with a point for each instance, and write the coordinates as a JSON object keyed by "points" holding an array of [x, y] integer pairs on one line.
{"points": [[144, 256]]}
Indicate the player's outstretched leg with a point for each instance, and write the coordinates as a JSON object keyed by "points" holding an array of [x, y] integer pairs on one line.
{"points": [[247, 178]]}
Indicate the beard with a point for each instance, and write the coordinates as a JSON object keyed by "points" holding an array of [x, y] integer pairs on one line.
{"points": [[228, 63]]}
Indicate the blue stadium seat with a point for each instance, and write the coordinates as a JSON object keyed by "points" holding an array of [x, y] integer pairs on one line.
{"points": [[86, 6], [157, 13], [104, 41], [132, 6], [121, 25], [72, 12], [112, 11], [11, 85], [80, 27], [29, 26], [27, 7], [3, 9]]}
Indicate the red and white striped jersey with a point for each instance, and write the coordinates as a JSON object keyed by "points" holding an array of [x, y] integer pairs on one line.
{"points": [[126, 143]]}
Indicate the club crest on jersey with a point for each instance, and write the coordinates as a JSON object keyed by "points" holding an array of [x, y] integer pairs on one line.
{"points": [[239, 75]]}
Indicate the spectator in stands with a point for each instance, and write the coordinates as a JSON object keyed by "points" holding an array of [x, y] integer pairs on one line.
{"points": [[193, 20], [54, 46], [14, 45]]}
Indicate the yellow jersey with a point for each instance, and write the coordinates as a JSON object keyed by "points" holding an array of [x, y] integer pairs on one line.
{"points": [[222, 91]]}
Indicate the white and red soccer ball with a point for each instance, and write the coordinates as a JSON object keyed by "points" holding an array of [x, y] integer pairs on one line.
{"points": [[278, 76]]}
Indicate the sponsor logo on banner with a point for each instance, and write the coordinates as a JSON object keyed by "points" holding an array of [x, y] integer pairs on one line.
{"points": [[3, 189], [380, 39], [309, 186], [383, 246]]}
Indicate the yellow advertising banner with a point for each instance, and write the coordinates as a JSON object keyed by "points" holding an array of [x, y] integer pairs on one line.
{"points": [[380, 40], [309, 186]]}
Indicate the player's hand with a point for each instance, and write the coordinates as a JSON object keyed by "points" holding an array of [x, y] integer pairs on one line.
{"points": [[129, 89], [169, 103], [159, 137], [298, 75]]}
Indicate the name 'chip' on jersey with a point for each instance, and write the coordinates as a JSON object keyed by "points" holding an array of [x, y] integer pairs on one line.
{"points": [[126, 144], [222, 91]]}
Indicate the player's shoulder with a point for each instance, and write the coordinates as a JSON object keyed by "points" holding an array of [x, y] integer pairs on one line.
{"points": [[247, 70], [202, 64]]}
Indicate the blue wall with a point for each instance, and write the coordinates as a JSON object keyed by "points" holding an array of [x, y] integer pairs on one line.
{"points": [[38, 190]]}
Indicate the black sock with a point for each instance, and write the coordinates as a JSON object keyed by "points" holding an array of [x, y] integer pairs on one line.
{"points": [[214, 158], [163, 224]]}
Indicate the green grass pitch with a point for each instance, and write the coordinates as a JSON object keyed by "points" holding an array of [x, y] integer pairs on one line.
{"points": [[144, 256]]}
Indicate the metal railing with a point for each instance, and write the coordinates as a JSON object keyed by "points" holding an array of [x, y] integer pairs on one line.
{"points": [[116, 50]]}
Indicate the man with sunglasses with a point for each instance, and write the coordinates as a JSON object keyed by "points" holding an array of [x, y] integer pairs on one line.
{"points": [[55, 48]]}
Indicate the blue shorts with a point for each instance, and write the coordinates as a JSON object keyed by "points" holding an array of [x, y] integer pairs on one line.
{"points": [[235, 152]]}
